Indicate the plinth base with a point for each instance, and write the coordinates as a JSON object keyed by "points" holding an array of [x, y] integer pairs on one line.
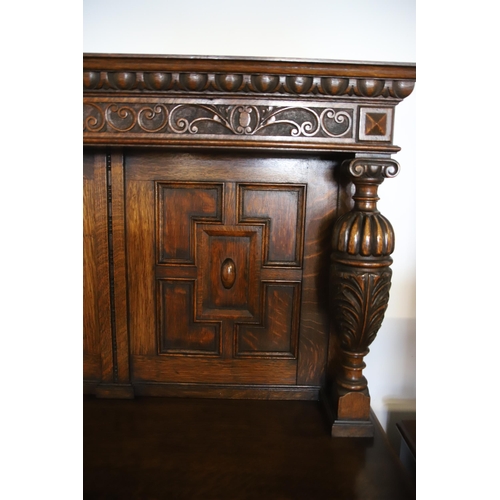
{"points": [[345, 427]]}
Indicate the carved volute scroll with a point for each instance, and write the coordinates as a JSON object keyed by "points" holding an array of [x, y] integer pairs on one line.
{"points": [[362, 242]]}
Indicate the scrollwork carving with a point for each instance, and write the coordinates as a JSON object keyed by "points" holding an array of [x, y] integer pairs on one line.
{"points": [[124, 118], [93, 118], [340, 117], [238, 119], [361, 168], [153, 115], [120, 118], [250, 119]]}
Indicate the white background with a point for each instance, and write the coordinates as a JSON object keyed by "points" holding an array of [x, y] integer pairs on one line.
{"points": [[457, 218]]}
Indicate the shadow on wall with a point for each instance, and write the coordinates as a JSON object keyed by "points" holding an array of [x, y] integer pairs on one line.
{"points": [[391, 371], [397, 410]]}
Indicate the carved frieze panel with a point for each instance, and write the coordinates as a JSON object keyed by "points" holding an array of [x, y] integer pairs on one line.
{"points": [[224, 118], [178, 121]]}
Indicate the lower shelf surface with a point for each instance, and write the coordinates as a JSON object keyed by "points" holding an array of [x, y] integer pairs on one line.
{"points": [[156, 448]]}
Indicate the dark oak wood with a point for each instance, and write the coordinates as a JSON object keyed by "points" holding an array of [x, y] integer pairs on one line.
{"points": [[226, 255], [363, 240], [242, 103], [206, 64], [252, 328], [159, 448], [91, 334], [118, 259], [98, 363]]}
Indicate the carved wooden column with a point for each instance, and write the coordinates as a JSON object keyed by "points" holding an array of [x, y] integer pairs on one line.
{"points": [[362, 242]]}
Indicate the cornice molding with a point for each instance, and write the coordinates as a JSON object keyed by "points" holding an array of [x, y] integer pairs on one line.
{"points": [[173, 99], [243, 83]]}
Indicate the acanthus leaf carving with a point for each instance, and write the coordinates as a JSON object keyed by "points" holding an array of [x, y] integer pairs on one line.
{"points": [[359, 302]]}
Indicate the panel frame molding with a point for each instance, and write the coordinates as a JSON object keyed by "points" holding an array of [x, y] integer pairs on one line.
{"points": [[191, 321], [193, 219], [301, 190], [295, 323]]}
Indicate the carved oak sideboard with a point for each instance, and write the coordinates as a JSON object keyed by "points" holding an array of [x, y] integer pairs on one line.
{"points": [[232, 242]]}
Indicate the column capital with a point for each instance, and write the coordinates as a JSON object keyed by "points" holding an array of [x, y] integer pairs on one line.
{"points": [[371, 168]]}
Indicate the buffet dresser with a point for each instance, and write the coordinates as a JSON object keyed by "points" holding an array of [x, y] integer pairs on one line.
{"points": [[232, 243]]}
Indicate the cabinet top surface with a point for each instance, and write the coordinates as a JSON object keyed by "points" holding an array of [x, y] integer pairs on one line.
{"points": [[313, 67]]}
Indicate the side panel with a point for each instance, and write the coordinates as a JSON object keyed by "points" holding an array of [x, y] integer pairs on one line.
{"points": [[96, 305]]}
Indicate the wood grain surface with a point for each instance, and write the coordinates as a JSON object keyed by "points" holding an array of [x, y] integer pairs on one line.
{"points": [[158, 448]]}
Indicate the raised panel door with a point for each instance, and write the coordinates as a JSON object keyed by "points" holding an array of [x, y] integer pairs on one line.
{"points": [[216, 258]]}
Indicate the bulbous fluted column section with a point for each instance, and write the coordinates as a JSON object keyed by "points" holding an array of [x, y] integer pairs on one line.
{"points": [[362, 242]]}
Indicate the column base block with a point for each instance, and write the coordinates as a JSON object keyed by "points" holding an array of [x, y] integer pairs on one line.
{"points": [[345, 427]]}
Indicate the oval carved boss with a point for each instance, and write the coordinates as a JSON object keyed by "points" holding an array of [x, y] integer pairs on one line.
{"points": [[228, 273]]}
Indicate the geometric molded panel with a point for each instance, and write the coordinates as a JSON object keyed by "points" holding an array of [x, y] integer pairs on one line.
{"points": [[218, 245], [276, 335], [178, 332], [179, 206], [282, 209], [375, 124]]}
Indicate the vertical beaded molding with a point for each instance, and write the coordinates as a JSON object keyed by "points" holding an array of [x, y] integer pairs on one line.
{"points": [[117, 384], [362, 242], [111, 265]]}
